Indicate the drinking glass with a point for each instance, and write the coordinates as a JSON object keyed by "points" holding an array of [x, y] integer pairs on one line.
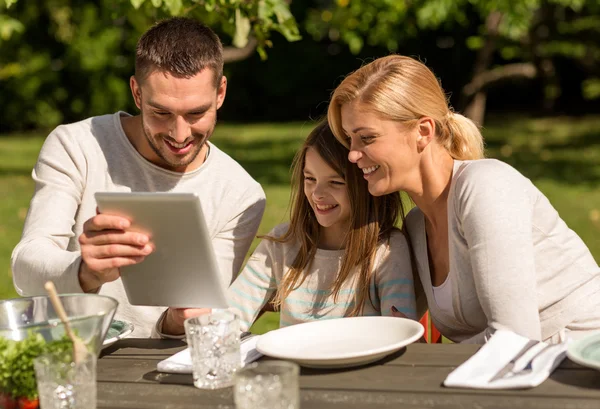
{"points": [[214, 342], [64, 384], [267, 384]]}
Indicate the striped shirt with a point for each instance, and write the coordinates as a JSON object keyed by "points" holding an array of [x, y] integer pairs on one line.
{"points": [[392, 283]]}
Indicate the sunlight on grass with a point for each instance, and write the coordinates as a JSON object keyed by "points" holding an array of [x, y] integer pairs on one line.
{"points": [[560, 155]]}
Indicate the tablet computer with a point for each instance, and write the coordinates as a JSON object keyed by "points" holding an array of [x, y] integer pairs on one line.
{"points": [[182, 271]]}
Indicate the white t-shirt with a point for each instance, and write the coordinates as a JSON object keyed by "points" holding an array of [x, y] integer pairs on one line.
{"points": [[94, 155], [443, 296]]}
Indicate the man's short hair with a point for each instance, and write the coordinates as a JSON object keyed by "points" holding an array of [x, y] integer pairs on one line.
{"points": [[180, 46]]}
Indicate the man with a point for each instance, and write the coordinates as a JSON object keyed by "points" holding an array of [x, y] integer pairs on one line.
{"points": [[178, 87]]}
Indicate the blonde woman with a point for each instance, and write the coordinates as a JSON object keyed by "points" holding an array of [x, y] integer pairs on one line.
{"points": [[491, 251], [340, 255]]}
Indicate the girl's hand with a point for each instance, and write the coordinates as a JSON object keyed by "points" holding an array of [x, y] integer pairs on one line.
{"points": [[396, 313], [173, 322]]}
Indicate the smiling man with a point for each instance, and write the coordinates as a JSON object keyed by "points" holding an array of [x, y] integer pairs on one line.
{"points": [[178, 87]]}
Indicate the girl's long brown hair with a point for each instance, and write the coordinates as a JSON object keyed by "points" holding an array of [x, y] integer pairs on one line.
{"points": [[372, 221]]}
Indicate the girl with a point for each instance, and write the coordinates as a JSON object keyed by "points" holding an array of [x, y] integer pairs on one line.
{"points": [[490, 249], [340, 255]]}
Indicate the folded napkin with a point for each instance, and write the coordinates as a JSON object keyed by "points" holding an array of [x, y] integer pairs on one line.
{"points": [[529, 370], [181, 362]]}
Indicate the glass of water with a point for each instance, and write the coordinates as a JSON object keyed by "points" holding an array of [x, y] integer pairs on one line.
{"points": [[64, 384], [267, 384], [214, 342]]}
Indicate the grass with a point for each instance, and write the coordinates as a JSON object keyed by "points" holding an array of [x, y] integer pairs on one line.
{"points": [[561, 156]]}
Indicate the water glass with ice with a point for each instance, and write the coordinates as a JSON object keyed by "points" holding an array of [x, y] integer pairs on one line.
{"points": [[214, 342], [64, 384], [267, 384]]}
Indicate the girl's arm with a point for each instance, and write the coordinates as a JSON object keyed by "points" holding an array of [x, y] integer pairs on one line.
{"points": [[255, 285], [494, 207], [394, 279]]}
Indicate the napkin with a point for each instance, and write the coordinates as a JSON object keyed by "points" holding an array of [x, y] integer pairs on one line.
{"points": [[478, 371], [181, 362]]}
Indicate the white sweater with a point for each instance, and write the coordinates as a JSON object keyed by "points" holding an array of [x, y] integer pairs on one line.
{"points": [[514, 263], [392, 283], [93, 155]]}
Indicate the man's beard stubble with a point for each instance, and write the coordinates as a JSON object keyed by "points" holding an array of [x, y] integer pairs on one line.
{"points": [[155, 142]]}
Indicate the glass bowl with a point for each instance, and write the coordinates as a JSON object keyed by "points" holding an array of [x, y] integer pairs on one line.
{"points": [[90, 316]]}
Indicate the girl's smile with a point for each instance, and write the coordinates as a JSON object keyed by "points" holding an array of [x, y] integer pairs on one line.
{"points": [[327, 194]]}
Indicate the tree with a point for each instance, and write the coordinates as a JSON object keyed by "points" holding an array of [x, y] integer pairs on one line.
{"points": [[516, 38], [61, 60], [247, 22]]}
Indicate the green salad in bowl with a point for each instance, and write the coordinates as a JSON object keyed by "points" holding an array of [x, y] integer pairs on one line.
{"points": [[29, 327], [17, 376]]}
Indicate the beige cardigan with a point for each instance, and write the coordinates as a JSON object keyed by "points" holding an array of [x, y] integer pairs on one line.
{"points": [[514, 263]]}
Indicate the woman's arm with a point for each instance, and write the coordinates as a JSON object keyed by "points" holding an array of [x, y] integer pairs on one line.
{"points": [[493, 205]]}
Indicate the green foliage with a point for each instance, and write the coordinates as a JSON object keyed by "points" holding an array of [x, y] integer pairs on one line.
{"points": [[61, 61], [17, 375], [591, 88], [532, 31], [378, 21]]}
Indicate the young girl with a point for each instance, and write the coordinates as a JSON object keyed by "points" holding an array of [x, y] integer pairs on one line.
{"points": [[340, 255]]}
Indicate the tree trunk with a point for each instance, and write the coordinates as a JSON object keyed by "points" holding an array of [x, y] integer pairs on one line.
{"points": [[475, 111], [473, 106], [475, 90]]}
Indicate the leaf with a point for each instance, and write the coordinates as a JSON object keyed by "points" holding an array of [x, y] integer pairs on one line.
{"points": [[287, 24], [174, 6], [157, 3], [137, 3], [242, 29], [474, 42], [591, 88], [9, 26]]}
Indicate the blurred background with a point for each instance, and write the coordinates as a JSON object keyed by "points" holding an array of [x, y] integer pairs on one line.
{"points": [[527, 71]]}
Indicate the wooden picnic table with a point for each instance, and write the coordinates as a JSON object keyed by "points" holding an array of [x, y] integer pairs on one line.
{"points": [[410, 378]]}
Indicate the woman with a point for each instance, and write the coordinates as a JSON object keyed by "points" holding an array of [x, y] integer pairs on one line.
{"points": [[491, 251]]}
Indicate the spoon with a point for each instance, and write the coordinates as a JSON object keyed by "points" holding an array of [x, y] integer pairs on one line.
{"points": [[79, 348]]}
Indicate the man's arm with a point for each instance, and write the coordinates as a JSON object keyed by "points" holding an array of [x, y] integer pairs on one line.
{"points": [[47, 250], [42, 255]]}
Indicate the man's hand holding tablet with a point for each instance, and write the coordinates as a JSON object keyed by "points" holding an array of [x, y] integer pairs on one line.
{"points": [[106, 245], [122, 237]]}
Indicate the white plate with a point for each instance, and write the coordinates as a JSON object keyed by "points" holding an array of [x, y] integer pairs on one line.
{"points": [[341, 342], [125, 328], [586, 351]]}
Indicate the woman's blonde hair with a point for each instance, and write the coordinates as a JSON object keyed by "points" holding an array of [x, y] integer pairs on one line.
{"points": [[372, 221], [403, 89]]}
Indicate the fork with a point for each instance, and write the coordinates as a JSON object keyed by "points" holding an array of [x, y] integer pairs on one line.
{"points": [[529, 367], [511, 364]]}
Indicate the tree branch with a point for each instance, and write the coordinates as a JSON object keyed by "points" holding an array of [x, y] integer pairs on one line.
{"points": [[232, 54], [486, 78]]}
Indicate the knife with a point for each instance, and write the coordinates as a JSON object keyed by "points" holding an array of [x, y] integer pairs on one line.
{"points": [[511, 364]]}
